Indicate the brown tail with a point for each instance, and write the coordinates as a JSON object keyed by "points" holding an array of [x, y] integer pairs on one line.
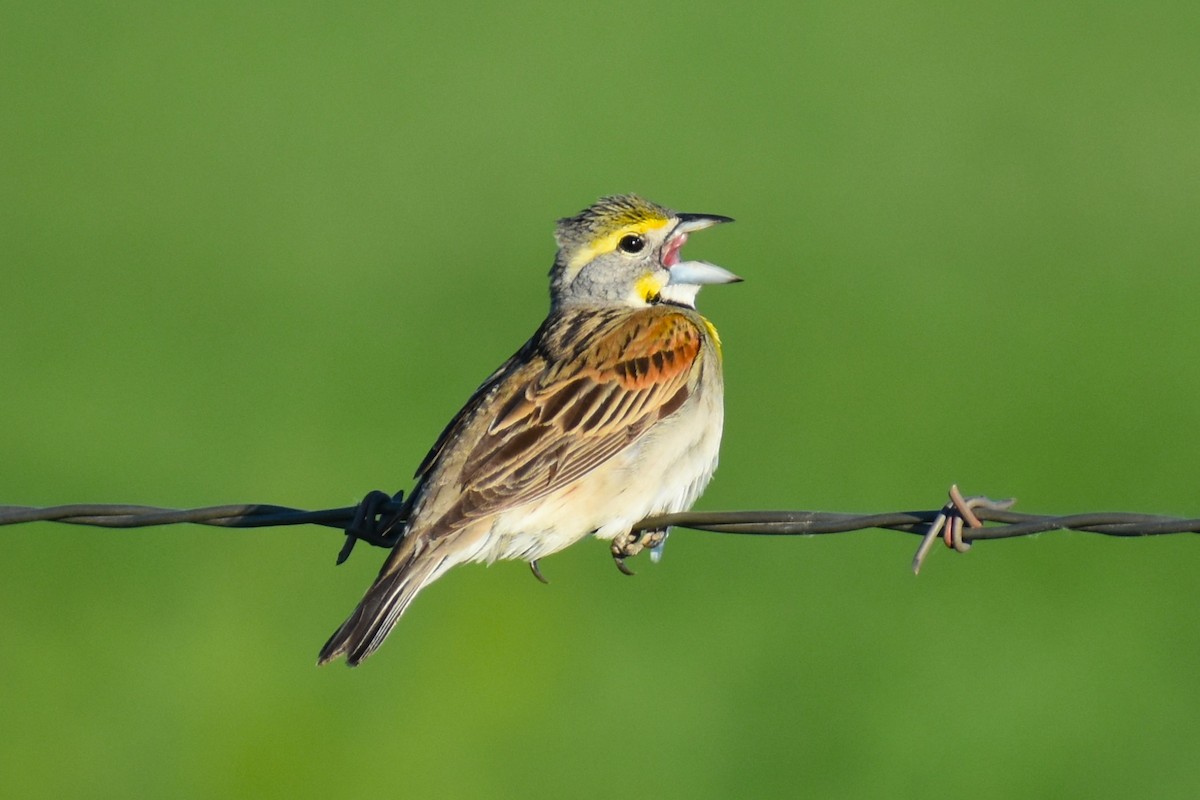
{"points": [[410, 568]]}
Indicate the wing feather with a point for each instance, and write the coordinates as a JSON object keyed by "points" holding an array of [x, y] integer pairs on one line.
{"points": [[582, 393]]}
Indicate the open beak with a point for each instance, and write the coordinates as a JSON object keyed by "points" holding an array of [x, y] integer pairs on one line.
{"points": [[694, 273], [699, 273], [698, 222], [686, 277]]}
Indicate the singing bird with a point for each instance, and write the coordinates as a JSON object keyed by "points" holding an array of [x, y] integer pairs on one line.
{"points": [[610, 413]]}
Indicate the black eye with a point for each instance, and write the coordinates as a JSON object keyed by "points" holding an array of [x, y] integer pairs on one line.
{"points": [[631, 243]]}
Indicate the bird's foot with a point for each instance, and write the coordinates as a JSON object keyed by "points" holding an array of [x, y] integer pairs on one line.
{"points": [[631, 543], [537, 571]]}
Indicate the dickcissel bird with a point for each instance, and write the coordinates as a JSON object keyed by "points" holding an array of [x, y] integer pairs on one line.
{"points": [[611, 412]]}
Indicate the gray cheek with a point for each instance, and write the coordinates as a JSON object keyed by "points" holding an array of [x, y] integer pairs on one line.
{"points": [[593, 286]]}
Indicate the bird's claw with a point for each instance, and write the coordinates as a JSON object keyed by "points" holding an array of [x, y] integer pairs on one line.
{"points": [[537, 571], [949, 523], [631, 543]]}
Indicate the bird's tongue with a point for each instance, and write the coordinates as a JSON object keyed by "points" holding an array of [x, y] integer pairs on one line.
{"points": [[671, 256]]}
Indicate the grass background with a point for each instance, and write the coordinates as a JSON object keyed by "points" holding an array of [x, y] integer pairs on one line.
{"points": [[262, 253]]}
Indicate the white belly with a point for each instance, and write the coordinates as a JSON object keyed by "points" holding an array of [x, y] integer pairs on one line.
{"points": [[663, 472]]}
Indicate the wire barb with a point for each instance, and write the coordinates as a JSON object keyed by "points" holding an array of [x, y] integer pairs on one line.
{"points": [[949, 522], [379, 520], [376, 521]]}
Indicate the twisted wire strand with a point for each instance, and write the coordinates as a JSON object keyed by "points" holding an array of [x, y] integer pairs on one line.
{"points": [[1007, 524], [105, 515], [1012, 524]]}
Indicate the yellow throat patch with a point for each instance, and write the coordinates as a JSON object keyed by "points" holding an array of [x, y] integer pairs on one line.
{"points": [[648, 288]]}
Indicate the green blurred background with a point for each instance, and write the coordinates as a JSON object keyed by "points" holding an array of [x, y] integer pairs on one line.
{"points": [[262, 252]]}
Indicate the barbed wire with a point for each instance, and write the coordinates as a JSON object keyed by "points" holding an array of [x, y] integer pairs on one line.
{"points": [[378, 520]]}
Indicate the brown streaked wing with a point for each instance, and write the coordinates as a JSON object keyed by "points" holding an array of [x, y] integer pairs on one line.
{"points": [[573, 416], [461, 421]]}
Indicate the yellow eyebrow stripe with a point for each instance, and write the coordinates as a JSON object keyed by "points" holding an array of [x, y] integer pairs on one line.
{"points": [[608, 242]]}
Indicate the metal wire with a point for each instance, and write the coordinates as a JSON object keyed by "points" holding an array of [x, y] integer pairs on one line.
{"points": [[1013, 524], [377, 520], [128, 516]]}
